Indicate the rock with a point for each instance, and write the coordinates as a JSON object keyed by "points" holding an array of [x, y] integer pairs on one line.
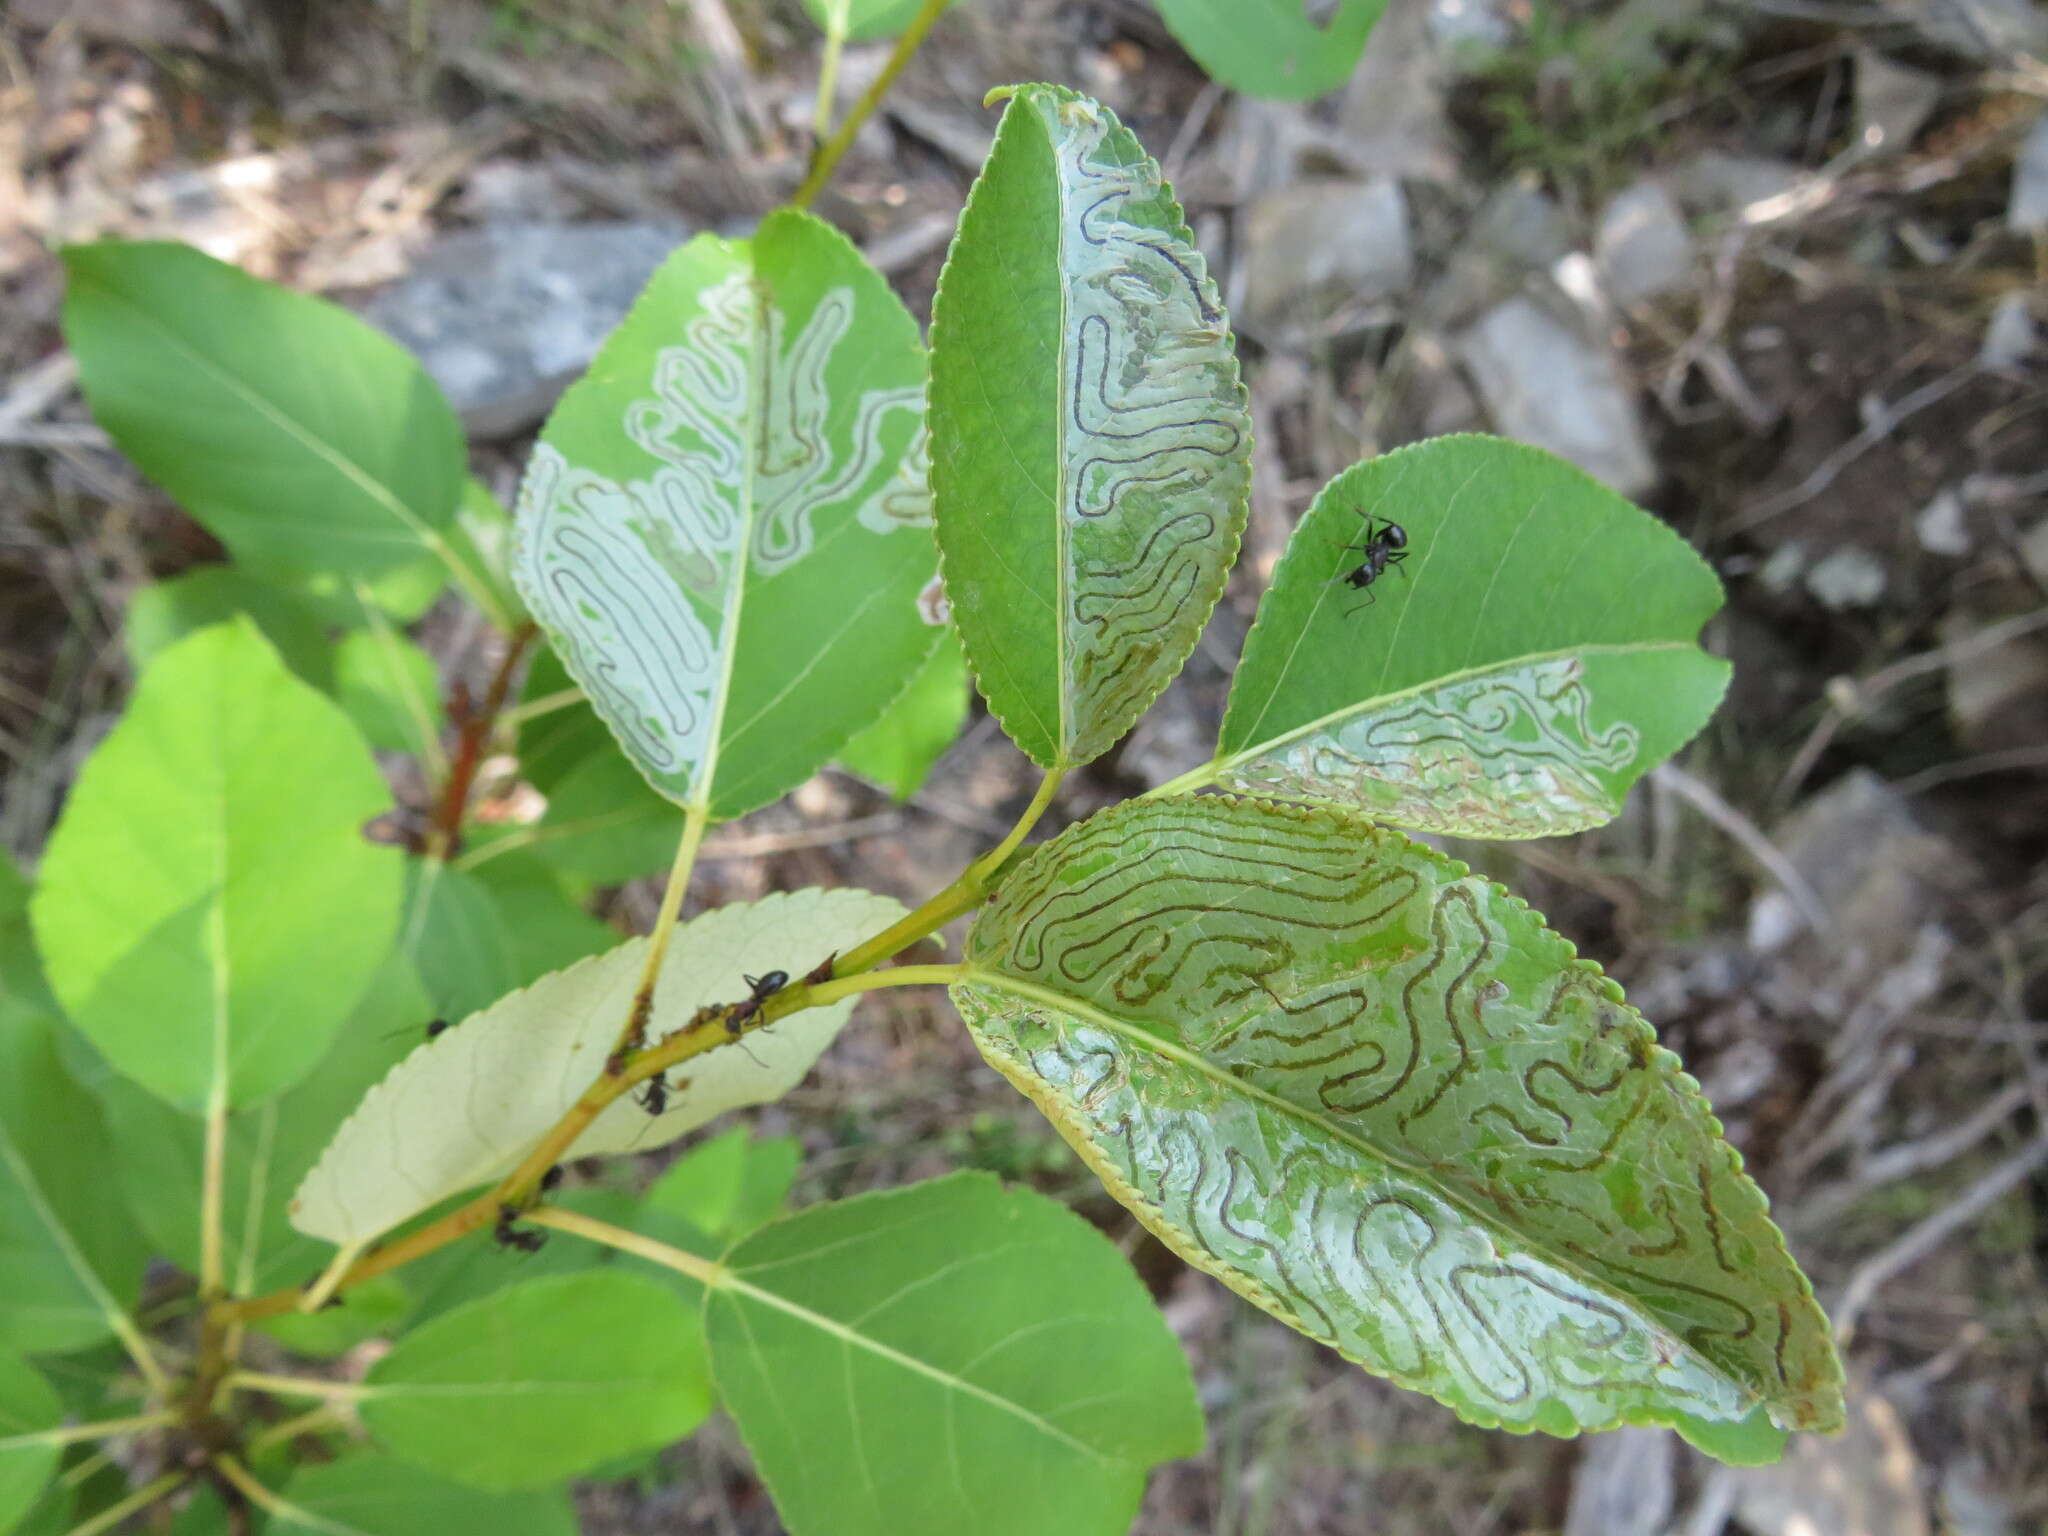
{"points": [[1784, 568], [1544, 383], [1892, 102], [1642, 245], [505, 316], [1320, 250], [2009, 339], [1848, 577], [1745, 185], [1984, 31], [1863, 1482], [1940, 527], [1623, 1485], [1469, 30], [1971, 1504], [1998, 698], [1392, 113], [2028, 206]]}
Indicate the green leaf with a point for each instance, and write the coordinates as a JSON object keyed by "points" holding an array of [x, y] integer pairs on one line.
{"points": [[898, 750], [160, 1151], [460, 1273], [207, 913], [723, 528], [1531, 658], [555, 743], [390, 688], [604, 824], [972, 1359], [28, 1408], [1379, 1098], [1090, 446], [299, 435], [482, 541], [518, 1067], [541, 1381], [21, 969], [553, 928], [863, 21], [70, 1263], [373, 1495], [730, 1184], [166, 611], [361, 1312], [1289, 49], [454, 933]]}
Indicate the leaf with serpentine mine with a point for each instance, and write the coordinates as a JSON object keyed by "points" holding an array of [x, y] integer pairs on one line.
{"points": [[1375, 1095], [1090, 446], [1528, 652]]}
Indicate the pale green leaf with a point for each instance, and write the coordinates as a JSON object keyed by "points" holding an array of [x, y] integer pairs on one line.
{"points": [[1090, 445], [166, 611], [391, 689], [948, 1357], [724, 527], [366, 1494], [70, 1260], [207, 914], [301, 436], [160, 1151], [361, 1312], [515, 1069], [1289, 49], [456, 936], [1379, 1098], [28, 1409], [541, 1381], [1533, 655], [898, 750], [553, 928]]}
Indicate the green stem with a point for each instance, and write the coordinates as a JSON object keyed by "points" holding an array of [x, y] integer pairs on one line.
{"points": [[702, 1270], [312, 1421], [1187, 783], [828, 70], [546, 704], [829, 153], [985, 866], [297, 1386], [634, 1032], [71, 1434], [140, 1499], [818, 994]]}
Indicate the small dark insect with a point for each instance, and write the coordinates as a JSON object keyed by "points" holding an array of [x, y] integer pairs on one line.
{"points": [[551, 1178], [511, 1235], [760, 988], [654, 1097], [1385, 545], [435, 1026]]}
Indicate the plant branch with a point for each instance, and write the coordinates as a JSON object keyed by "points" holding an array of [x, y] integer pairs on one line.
{"points": [[828, 70], [829, 153], [297, 1386], [444, 836], [703, 1270], [140, 1499], [312, 1421], [105, 1429], [633, 1034]]}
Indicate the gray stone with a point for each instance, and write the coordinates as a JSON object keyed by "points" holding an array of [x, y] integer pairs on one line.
{"points": [[2028, 208], [1642, 244], [1318, 250], [1392, 114], [1545, 384], [1470, 30], [1987, 31], [1848, 577], [1745, 185], [1940, 527], [1519, 230], [2009, 339], [505, 316], [1623, 1485], [1892, 103], [1863, 1482]]}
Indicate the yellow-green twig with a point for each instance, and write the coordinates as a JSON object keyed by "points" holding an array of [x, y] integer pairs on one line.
{"points": [[832, 149]]}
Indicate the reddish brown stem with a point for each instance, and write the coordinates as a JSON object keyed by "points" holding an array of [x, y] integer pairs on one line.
{"points": [[444, 836]]}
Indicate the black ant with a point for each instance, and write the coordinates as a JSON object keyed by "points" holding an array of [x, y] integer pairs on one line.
{"points": [[654, 1097], [511, 1235], [1386, 542], [760, 988]]}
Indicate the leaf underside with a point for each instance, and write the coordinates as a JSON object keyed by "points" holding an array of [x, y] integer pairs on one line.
{"points": [[1288, 49], [1379, 1098], [1529, 654], [1090, 443], [467, 1105]]}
